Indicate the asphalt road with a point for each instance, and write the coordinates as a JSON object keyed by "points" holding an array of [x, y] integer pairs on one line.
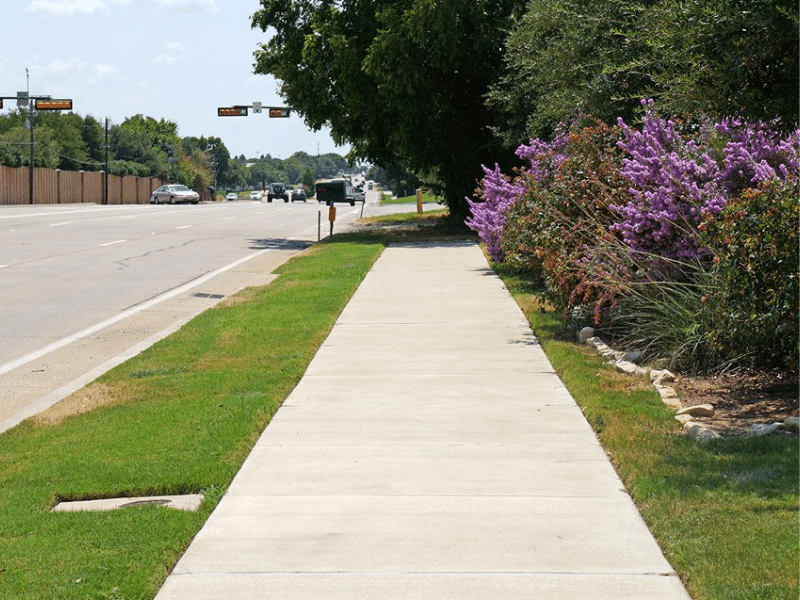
{"points": [[82, 287]]}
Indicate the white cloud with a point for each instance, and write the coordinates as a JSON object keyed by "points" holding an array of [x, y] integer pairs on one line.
{"points": [[174, 54], [71, 7], [188, 6], [99, 73], [63, 67], [85, 7]]}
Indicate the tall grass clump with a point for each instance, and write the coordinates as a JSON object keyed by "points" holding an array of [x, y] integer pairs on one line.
{"points": [[679, 238]]}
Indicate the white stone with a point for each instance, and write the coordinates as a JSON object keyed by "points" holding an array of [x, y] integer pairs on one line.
{"points": [[668, 396], [792, 424], [700, 410], [759, 429], [585, 334], [698, 432], [659, 377], [624, 366]]}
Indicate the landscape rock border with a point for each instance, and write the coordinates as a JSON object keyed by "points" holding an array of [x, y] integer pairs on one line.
{"points": [[627, 362]]}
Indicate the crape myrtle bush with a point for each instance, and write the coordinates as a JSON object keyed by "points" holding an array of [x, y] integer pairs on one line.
{"points": [[657, 211], [551, 229]]}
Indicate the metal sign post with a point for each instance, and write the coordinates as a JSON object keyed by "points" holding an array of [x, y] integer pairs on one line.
{"points": [[331, 216]]}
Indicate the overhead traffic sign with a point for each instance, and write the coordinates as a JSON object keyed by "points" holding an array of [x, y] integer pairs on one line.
{"points": [[53, 104], [232, 111], [278, 112]]}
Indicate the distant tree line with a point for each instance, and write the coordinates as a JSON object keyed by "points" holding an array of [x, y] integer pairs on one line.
{"points": [[147, 147]]}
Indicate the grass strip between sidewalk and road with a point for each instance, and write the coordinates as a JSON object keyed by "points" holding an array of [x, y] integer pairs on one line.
{"points": [[182, 416]]}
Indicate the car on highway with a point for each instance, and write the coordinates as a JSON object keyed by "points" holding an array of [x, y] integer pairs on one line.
{"points": [[298, 195], [255, 195], [277, 190], [231, 196], [174, 193]]}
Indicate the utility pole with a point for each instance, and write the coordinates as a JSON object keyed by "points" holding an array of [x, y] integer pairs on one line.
{"points": [[30, 120], [105, 177]]}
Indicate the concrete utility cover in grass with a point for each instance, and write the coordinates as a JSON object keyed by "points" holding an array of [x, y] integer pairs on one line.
{"points": [[186, 502]]}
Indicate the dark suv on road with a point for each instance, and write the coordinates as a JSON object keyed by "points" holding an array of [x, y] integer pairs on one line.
{"points": [[277, 190]]}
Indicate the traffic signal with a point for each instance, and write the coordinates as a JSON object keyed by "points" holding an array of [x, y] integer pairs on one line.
{"points": [[278, 112], [232, 111], [53, 104]]}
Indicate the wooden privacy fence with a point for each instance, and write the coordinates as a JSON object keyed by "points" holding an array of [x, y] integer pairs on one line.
{"points": [[73, 187]]}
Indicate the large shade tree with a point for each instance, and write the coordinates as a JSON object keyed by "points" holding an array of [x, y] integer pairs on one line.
{"points": [[601, 57], [720, 57], [401, 81], [559, 63]]}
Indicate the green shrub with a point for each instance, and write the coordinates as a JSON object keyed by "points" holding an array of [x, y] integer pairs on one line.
{"points": [[756, 238], [551, 229]]}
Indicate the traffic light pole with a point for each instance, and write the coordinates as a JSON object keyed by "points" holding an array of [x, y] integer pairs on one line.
{"points": [[241, 110], [31, 104]]}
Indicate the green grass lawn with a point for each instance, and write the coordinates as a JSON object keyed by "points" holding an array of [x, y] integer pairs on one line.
{"points": [[186, 412], [426, 199]]}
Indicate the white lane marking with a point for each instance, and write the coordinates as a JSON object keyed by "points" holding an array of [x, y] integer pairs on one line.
{"points": [[183, 227], [60, 224], [113, 243], [124, 315], [50, 214]]}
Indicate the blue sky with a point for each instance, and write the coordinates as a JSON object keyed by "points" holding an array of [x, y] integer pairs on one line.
{"points": [[172, 59]]}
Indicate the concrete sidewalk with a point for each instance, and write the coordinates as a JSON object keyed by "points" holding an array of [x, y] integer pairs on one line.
{"points": [[429, 451]]}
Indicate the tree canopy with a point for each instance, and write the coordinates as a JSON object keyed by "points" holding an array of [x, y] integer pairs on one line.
{"points": [[601, 57], [401, 81]]}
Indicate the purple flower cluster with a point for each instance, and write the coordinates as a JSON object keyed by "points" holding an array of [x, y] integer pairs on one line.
{"points": [[677, 182], [488, 218], [755, 153], [544, 158], [499, 192]]}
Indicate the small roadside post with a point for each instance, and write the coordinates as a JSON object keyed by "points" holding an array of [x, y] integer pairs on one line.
{"points": [[419, 201], [331, 216]]}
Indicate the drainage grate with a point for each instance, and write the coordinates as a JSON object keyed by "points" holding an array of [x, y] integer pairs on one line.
{"points": [[212, 296]]}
